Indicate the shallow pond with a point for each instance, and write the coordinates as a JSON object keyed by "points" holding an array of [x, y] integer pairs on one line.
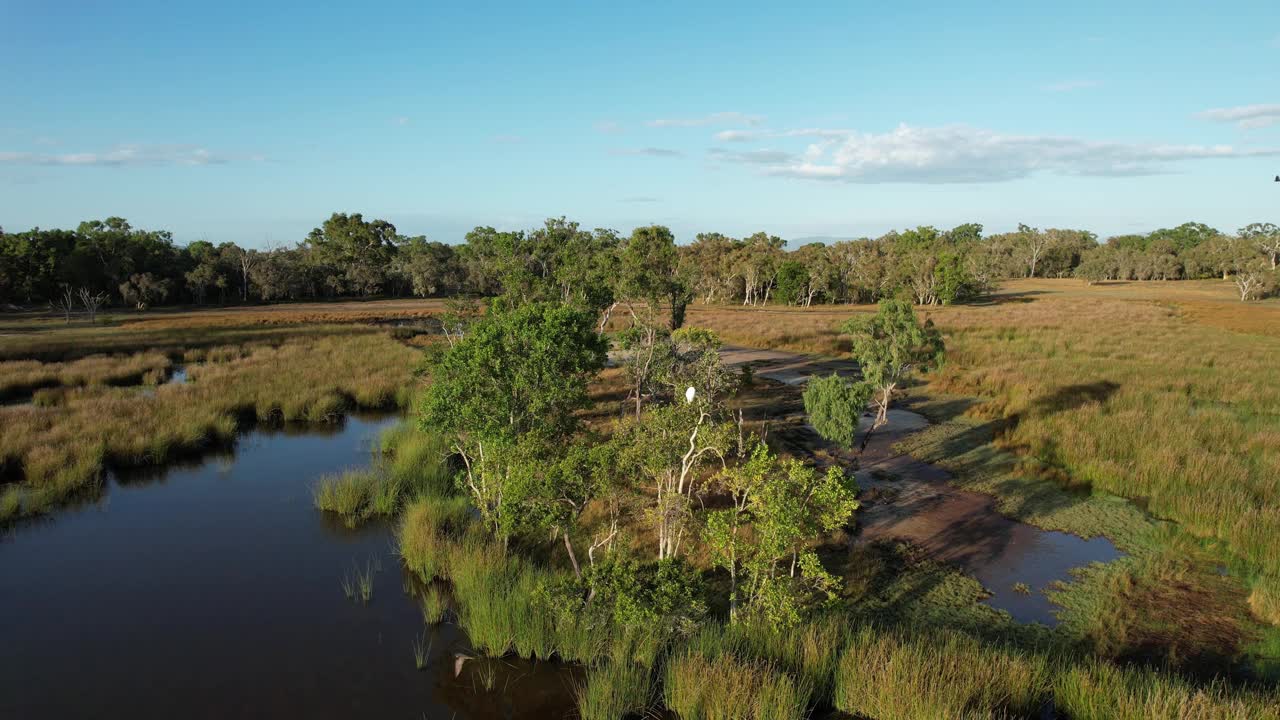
{"points": [[214, 590]]}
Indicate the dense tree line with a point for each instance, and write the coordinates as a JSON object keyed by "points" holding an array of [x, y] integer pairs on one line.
{"points": [[348, 256]]}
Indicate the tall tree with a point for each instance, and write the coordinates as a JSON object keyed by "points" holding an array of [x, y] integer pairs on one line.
{"points": [[1266, 236]]}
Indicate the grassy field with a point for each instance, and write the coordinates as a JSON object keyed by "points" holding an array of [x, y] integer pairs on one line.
{"points": [[274, 364], [1059, 398]]}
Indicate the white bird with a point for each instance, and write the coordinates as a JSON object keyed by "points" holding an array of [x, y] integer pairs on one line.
{"points": [[688, 394]]}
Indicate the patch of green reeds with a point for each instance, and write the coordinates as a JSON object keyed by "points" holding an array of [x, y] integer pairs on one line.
{"points": [[614, 690], [422, 650], [1097, 690], [724, 687], [892, 677], [411, 463], [435, 604], [63, 448]]}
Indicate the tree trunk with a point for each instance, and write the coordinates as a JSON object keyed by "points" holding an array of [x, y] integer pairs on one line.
{"points": [[568, 545]]}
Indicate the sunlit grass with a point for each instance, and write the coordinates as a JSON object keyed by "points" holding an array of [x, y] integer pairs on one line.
{"points": [[23, 377], [62, 449], [1165, 393]]}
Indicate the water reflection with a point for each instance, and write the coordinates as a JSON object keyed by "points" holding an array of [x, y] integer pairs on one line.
{"points": [[214, 589]]}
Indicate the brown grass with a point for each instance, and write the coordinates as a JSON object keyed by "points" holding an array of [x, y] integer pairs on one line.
{"points": [[21, 377], [54, 452]]}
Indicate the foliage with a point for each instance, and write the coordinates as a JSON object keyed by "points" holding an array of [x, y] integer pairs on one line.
{"points": [[834, 406], [889, 346]]}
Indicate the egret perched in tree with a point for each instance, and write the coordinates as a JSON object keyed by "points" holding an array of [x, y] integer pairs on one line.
{"points": [[688, 394]]}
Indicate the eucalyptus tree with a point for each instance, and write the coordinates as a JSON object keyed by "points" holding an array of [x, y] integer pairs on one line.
{"points": [[507, 394], [1266, 236], [670, 453], [889, 347], [359, 250], [777, 507], [647, 280]]}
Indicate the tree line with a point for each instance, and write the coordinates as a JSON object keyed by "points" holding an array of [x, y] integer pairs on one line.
{"points": [[349, 256]]}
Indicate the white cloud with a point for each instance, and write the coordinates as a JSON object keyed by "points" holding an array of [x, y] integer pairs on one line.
{"points": [[122, 155], [1069, 85], [651, 152], [608, 127], [720, 118], [961, 154], [1245, 116], [400, 120], [753, 157]]}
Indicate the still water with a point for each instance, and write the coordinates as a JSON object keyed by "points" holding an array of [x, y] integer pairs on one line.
{"points": [[214, 590]]}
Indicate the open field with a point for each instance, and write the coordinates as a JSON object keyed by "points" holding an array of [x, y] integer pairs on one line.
{"points": [[1163, 393]]}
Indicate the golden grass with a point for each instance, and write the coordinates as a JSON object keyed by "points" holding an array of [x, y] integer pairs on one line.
{"points": [[45, 337], [19, 377], [1166, 393], [55, 451]]}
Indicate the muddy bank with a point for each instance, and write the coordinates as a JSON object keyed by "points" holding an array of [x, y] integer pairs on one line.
{"points": [[907, 500]]}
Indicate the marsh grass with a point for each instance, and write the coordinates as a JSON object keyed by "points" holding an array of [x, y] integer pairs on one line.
{"points": [[1163, 393], [724, 687], [893, 677], [422, 650], [435, 604], [19, 378], [614, 690], [409, 463], [364, 581], [1100, 691], [60, 450]]}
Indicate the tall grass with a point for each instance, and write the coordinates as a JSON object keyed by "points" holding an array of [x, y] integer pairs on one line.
{"points": [[726, 688], [21, 377], [892, 677], [58, 451], [615, 690], [1100, 691], [410, 463]]}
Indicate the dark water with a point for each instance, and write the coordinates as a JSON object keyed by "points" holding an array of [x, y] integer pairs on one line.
{"points": [[215, 591]]}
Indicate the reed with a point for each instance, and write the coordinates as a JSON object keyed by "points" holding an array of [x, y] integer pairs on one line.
{"points": [[614, 690]]}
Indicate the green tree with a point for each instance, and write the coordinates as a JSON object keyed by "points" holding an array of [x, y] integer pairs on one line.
{"points": [[1266, 236], [785, 503], [669, 453], [793, 282], [359, 251], [889, 347], [834, 406], [508, 392]]}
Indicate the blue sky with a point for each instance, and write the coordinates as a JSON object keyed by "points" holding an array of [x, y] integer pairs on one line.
{"points": [[252, 122]]}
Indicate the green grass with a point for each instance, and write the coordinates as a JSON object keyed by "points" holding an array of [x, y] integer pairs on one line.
{"points": [[724, 687], [891, 677], [435, 604], [615, 690], [409, 463], [24, 377], [422, 650]]}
